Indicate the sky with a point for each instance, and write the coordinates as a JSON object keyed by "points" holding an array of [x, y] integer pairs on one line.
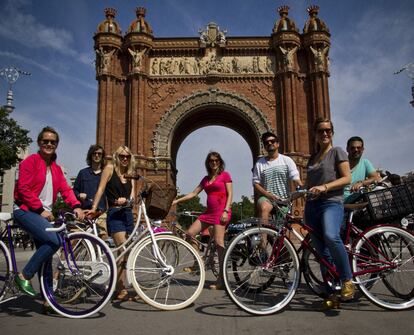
{"points": [[371, 39]]}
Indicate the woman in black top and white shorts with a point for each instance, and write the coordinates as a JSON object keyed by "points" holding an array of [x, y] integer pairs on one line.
{"points": [[118, 191]]}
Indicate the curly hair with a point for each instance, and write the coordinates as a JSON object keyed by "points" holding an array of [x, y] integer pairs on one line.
{"points": [[91, 150]]}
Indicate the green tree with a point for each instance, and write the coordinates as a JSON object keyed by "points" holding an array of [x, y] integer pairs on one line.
{"points": [[60, 205], [192, 205], [13, 139], [242, 210]]}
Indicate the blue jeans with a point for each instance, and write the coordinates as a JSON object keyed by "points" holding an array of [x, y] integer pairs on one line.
{"points": [[47, 243], [325, 218]]}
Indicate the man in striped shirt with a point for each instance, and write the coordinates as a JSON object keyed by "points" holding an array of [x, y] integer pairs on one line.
{"points": [[271, 175]]}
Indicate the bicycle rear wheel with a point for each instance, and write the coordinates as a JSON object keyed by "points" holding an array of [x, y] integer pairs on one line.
{"points": [[5, 268], [167, 288], [82, 286], [261, 271], [387, 277]]}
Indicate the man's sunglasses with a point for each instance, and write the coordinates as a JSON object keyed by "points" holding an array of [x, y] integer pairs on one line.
{"points": [[270, 142]]}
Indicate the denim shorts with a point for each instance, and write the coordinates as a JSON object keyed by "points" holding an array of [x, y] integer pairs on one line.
{"points": [[119, 220]]}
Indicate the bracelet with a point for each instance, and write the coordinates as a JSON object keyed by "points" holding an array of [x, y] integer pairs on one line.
{"points": [[225, 210], [326, 187]]}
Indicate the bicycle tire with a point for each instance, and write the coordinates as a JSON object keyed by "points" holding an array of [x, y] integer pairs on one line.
{"points": [[5, 268], [166, 248], [84, 286], [391, 287], [211, 259], [256, 280], [311, 271], [172, 287]]}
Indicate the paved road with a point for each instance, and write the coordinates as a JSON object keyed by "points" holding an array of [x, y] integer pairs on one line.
{"points": [[213, 313]]}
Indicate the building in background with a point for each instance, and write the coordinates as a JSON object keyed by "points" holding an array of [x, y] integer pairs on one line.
{"points": [[7, 181]]}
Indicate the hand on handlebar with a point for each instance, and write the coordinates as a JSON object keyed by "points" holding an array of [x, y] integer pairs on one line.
{"points": [[274, 198], [92, 213], [80, 214], [47, 215], [121, 201], [319, 189]]}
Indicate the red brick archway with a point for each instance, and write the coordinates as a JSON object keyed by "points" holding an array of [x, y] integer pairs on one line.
{"points": [[153, 92]]}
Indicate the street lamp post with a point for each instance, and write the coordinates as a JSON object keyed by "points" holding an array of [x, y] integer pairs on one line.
{"points": [[241, 210], [11, 74]]}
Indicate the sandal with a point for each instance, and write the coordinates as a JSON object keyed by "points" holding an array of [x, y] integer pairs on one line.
{"points": [[217, 286], [135, 298], [122, 295], [191, 269], [47, 309]]}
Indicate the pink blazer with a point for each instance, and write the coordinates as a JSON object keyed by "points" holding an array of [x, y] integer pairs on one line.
{"points": [[32, 178]]}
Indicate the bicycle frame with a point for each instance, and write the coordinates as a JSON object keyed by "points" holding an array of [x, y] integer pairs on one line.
{"points": [[62, 233], [136, 237], [350, 230]]}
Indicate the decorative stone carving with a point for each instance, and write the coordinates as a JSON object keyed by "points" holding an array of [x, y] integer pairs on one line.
{"points": [[211, 64], [287, 56], [320, 58], [212, 36], [267, 95], [137, 58], [103, 62], [159, 94]]}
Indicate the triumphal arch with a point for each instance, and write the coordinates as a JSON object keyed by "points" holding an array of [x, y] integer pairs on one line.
{"points": [[155, 91]]}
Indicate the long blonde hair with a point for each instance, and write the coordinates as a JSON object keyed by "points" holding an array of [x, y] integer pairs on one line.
{"points": [[117, 162]]}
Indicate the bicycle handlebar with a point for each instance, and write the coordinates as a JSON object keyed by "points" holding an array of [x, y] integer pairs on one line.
{"points": [[62, 219], [186, 213]]}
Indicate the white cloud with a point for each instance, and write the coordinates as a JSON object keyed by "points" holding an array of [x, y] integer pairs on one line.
{"points": [[367, 99], [26, 30]]}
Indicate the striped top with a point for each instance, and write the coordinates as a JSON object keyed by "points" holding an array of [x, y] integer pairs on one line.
{"points": [[274, 175]]}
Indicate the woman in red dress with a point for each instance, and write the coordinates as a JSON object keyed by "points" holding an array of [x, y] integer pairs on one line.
{"points": [[218, 186]]}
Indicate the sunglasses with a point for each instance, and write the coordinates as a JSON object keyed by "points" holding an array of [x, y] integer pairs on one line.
{"points": [[124, 156], [328, 131], [97, 153], [51, 142], [270, 142], [214, 161]]}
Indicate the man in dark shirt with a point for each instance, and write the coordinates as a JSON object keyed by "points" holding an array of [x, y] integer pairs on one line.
{"points": [[87, 183]]}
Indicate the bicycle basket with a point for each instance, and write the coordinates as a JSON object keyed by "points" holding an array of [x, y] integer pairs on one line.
{"points": [[389, 204], [159, 201], [410, 188]]}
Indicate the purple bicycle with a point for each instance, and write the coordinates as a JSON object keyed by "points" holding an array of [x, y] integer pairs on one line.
{"points": [[77, 281]]}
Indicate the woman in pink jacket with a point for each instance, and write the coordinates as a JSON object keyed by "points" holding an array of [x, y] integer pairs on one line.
{"points": [[40, 180]]}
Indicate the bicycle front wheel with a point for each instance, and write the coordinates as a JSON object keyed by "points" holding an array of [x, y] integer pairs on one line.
{"points": [[80, 278], [311, 270], [211, 259], [166, 287], [5, 268], [384, 268], [261, 271]]}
